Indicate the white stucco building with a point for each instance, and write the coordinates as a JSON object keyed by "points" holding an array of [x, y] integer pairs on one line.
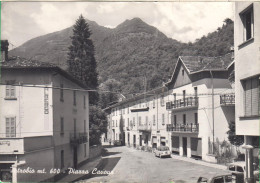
{"points": [[247, 75], [44, 119], [179, 114]]}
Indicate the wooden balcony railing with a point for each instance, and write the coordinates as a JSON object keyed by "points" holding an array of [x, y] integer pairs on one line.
{"points": [[227, 99], [183, 103], [78, 138], [182, 128]]}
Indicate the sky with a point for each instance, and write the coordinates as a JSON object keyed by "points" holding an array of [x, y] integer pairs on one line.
{"points": [[183, 21]]}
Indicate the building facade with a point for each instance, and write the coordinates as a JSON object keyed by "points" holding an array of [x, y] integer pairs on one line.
{"points": [[44, 121], [179, 114], [247, 73]]}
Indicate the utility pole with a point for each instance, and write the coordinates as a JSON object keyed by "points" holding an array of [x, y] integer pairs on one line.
{"points": [[213, 120]]}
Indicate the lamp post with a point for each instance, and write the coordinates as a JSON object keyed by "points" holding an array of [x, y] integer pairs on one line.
{"points": [[249, 163]]}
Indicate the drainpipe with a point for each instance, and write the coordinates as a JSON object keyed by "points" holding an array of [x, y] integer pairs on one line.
{"points": [[213, 122]]}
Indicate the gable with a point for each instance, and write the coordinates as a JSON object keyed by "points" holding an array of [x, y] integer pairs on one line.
{"points": [[182, 77]]}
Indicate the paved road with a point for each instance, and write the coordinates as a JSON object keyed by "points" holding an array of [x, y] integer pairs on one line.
{"points": [[130, 165]]}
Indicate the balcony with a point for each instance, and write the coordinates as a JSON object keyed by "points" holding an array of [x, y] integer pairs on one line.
{"points": [[78, 138], [145, 128], [189, 128], [11, 146], [227, 100], [186, 103]]}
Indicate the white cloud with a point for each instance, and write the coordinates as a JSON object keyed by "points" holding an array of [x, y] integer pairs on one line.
{"points": [[57, 16], [184, 21]]}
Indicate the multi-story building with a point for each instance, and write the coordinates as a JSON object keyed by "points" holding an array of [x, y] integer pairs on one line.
{"points": [[180, 114], [247, 74], [44, 121], [201, 105]]}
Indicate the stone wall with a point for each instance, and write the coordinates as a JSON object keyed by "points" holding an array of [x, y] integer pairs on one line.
{"points": [[95, 151]]}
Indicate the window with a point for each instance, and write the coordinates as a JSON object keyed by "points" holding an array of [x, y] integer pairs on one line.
{"points": [[61, 93], [61, 125], [10, 92], [113, 123], [85, 150], [196, 118], [184, 94], [153, 102], [116, 123], [162, 100], [240, 169], [85, 126], [84, 102], [175, 120], [218, 180], [195, 91], [62, 159], [128, 110], [140, 120], [74, 98], [127, 122], [248, 23], [153, 120], [184, 119], [163, 121], [134, 121], [182, 72], [231, 168], [46, 101], [174, 95], [251, 96], [10, 127]]}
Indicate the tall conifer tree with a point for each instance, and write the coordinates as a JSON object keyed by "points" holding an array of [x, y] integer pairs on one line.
{"points": [[81, 60]]}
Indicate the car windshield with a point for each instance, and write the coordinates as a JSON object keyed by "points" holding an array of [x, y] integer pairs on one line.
{"points": [[164, 148], [202, 179]]}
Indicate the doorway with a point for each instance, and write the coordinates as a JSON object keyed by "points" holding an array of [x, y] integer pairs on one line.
{"points": [[184, 145], [134, 140], [140, 140], [75, 157]]}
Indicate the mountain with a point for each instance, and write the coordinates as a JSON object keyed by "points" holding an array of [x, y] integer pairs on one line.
{"points": [[131, 51]]}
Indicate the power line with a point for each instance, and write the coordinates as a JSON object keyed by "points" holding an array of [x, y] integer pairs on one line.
{"points": [[107, 91]]}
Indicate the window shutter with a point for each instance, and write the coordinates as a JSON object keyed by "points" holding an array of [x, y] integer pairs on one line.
{"points": [[255, 96], [248, 97]]}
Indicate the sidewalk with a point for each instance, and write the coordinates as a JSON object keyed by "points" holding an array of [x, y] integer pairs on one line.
{"points": [[199, 162], [87, 166]]}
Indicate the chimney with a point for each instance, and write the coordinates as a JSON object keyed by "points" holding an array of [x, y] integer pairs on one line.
{"points": [[4, 50]]}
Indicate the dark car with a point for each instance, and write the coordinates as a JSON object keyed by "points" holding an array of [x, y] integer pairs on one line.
{"points": [[216, 178]]}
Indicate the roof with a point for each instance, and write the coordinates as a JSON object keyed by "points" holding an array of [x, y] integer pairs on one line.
{"points": [[201, 63], [19, 63], [138, 97]]}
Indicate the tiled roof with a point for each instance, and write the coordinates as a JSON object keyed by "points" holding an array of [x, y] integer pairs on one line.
{"points": [[18, 62], [200, 63], [22, 63]]}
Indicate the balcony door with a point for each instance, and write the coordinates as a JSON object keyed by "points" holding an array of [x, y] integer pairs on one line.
{"points": [[184, 145]]}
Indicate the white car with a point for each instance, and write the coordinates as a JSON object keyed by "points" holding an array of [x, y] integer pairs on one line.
{"points": [[239, 167], [162, 151]]}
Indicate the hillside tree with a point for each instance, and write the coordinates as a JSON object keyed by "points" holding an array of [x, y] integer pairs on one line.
{"points": [[234, 139], [81, 60], [97, 124]]}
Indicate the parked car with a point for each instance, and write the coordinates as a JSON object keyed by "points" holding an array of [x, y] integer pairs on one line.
{"points": [[239, 167], [162, 151], [216, 178], [117, 143]]}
